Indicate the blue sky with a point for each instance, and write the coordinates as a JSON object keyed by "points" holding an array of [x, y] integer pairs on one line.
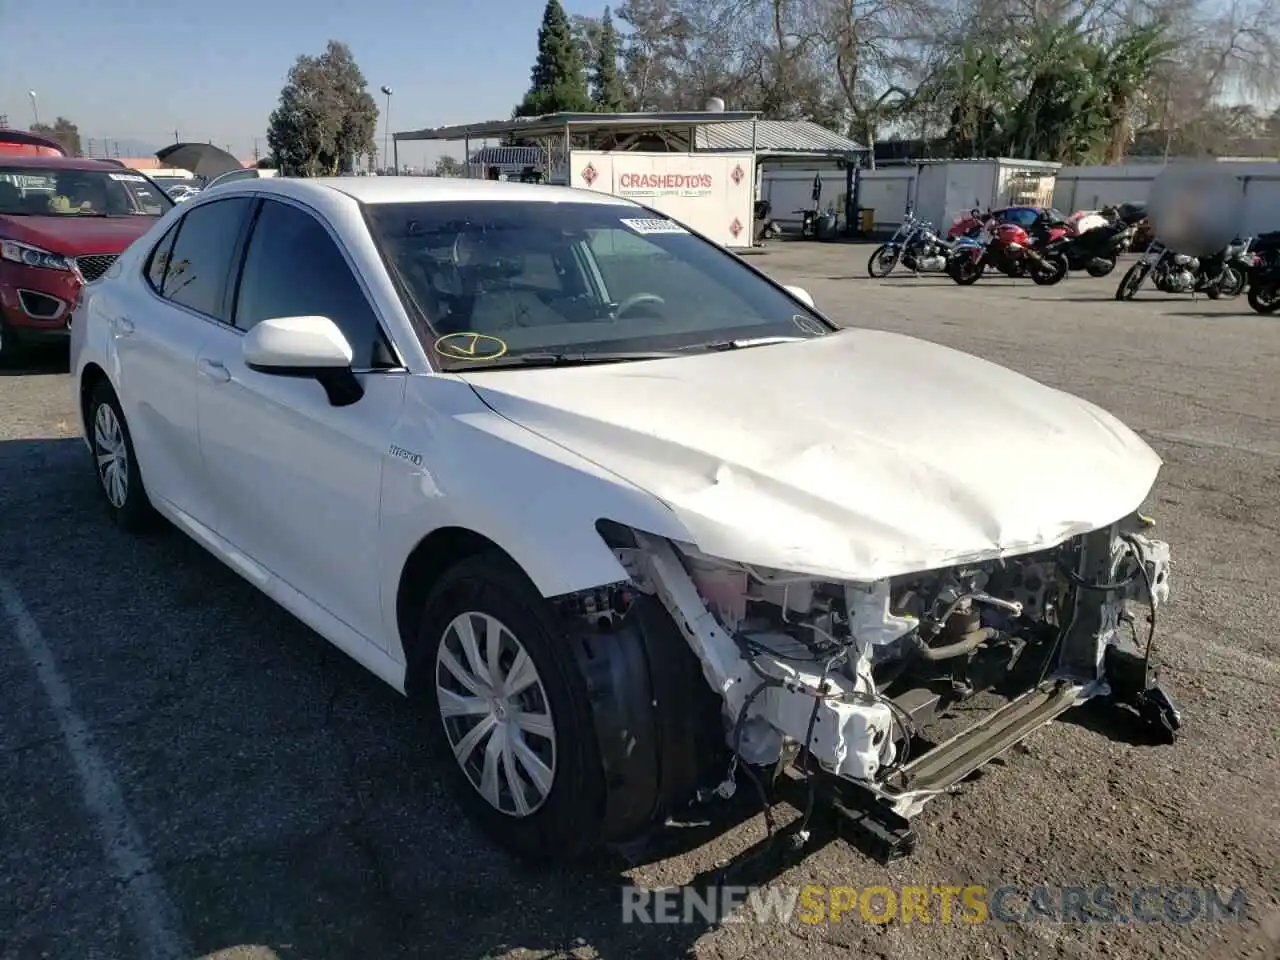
{"points": [[139, 70]]}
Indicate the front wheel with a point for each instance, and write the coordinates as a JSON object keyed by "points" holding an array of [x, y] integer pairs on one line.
{"points": [[883, 260], [1264, 298], [1232, 282], [1131, 281], [965, 270], [1100, 266], [513, 719], [1050, 269]]}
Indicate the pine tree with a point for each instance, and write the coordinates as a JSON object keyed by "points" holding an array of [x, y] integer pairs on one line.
{"points": [[607, 90], [557, 84]]}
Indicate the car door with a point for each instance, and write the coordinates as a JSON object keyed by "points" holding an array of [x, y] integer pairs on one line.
{"points": [[297, 479], [157, 338]]}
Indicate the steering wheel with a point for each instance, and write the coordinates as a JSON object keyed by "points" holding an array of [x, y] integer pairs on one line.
{"points": [[635, 300]]}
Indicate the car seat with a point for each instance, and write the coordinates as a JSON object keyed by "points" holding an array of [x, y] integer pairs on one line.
{"points": [[10, 198]]}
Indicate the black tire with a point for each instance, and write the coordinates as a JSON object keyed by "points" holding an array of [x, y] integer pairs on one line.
{"points": [[1100, 266], [132, 511], [568, 822], [1232, 282], [1049, 270], [964, 271], [875, 263], [1131, 281], [10, 347], [1264, 298]]}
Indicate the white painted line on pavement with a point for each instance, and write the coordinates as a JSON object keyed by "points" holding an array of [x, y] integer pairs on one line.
{"points": [[155, 918]]}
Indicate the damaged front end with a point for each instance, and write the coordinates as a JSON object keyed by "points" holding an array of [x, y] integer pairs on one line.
{"points": [[850, 683]]}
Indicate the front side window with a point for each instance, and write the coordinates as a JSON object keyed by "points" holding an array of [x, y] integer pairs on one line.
{"points": [[198, 267], [46, 192], [542, 278], [293, 268]]}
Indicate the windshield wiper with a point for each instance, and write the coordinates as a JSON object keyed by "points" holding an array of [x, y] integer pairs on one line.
{"points": [[570, 359], [747, 342]]}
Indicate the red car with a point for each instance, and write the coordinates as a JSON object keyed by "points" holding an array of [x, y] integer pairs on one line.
{"points": [[63, 222]]}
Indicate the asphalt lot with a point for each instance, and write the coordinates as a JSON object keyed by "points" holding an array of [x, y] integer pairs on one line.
{"points": [[264, 797]]}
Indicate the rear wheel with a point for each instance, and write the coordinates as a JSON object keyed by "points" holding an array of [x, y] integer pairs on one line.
{"points": [[115, 463], [1049, 269], [1264, 298], [883, 260], [1100, 266], [1131, 281]]}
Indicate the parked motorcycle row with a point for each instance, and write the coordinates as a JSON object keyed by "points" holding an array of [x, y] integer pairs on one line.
{"points": [[1045, 246]]}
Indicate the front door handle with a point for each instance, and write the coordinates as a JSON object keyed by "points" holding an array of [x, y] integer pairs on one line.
{"points": [[214, 370]]}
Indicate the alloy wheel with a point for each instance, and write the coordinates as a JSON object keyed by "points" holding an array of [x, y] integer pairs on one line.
{"points": [[496, 713], [111, 454]]}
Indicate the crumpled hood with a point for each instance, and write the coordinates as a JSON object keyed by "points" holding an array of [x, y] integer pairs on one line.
{"points": [[76, 236], [856, 456]]}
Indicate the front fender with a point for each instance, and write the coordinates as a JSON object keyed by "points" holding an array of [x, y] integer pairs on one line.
{"points": [[479, 471]]}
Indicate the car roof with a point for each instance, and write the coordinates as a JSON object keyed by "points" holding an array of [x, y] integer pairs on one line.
{"points": [[375, 190], [59, 163]]}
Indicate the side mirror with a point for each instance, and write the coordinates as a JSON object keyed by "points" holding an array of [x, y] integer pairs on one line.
{"points": [[801, 294], [309, 347]]}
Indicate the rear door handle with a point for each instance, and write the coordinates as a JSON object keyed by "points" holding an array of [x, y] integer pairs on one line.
{"points": [[124, 326], [214, 370]]}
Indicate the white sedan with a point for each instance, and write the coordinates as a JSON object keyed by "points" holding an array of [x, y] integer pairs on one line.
{"points": [[629, 515]]}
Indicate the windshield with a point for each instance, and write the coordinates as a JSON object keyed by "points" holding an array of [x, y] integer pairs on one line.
{"points": [[42, 191], [498, 280]]}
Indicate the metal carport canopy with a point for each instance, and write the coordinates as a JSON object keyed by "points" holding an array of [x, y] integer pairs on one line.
{"points": [[555, 123], [567, 124]]}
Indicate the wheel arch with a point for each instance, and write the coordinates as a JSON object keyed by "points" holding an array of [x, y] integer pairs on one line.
{"points": [[90, 377], [434, 554]]}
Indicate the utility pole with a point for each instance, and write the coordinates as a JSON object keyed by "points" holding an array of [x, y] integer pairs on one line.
{"points": [[90, 144], [386, 130], [256, 155], [176, 139]]}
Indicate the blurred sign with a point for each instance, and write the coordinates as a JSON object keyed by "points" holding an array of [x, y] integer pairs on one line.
{"points": [[1196, 209]]}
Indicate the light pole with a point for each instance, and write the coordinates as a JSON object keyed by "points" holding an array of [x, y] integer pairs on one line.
{"points": [[386, 130], [35, 110]]}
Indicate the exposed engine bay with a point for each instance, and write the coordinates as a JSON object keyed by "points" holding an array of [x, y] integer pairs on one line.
{"points": [[844, 676]]}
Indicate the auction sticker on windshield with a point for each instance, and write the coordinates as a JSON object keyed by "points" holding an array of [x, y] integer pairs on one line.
{"points": [[652, 226], [131, 177], [470, 346]]}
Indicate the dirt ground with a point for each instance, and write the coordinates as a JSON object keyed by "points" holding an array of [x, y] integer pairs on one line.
{"points": [[279, 802]]}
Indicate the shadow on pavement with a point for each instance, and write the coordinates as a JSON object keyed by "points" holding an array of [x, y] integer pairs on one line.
{"points": [[286, 798], [36, 361]]}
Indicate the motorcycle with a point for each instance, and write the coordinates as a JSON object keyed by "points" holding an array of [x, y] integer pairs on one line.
{"points": [[1264, 274], [1096, 250], [1174, 272], [915, 244], [765, 227], [1014, 251], [1240, 260]]}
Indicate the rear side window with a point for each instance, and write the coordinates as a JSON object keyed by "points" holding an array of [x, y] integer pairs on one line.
{"points": [[201, 258], [160, 257]]}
